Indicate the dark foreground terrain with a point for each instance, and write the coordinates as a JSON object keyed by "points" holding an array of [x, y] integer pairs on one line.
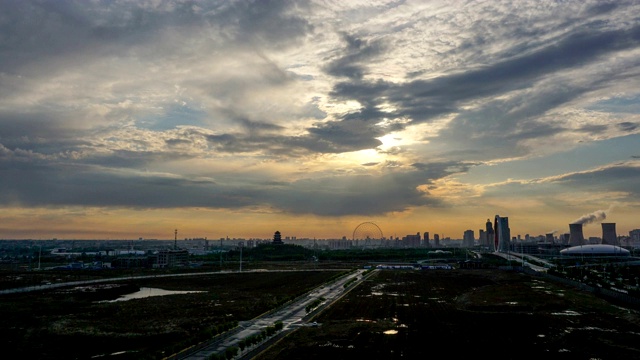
{"points": [[456, 314], [77, 323]]}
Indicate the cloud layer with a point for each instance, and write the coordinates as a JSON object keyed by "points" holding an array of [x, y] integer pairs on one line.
{"points": [[313, 108]]}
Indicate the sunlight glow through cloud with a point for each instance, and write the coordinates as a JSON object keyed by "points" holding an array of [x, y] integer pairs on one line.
{"points": [[317, 113]]}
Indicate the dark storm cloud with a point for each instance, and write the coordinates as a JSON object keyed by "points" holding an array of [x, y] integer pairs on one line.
{"points": [[177, 142], [38, 183], [361, 194], [593, 129], [40, 133], [613, 178], [351, 134], [131, 159], [602, 8], [620, 177], [423, 100], [15, 125], [266, 22], [252, 125], [627, 126], [352, 63], [35, 30], [41, 184], [320, 140], [442, 94], [497, 131]]}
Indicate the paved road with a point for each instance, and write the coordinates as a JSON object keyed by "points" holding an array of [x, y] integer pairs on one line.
{"points": [[292, 316], [523, 259]]}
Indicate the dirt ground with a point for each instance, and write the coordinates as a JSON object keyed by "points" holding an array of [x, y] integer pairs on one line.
{"points": [[457, 314]]}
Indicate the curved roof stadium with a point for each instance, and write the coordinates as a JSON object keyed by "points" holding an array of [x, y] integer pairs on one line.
{"points": [[595, 250]]}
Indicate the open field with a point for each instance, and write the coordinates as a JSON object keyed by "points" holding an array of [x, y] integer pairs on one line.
{"points": [[72, 323], [465, 313]]}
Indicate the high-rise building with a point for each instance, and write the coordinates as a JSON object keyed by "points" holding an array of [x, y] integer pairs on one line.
{"points": [[549, 238], [576, 237], [468, 238], [609, 235], [436, 240], [502, 234], [635, 234], [426, 239], [489, 243], [411, 241]]}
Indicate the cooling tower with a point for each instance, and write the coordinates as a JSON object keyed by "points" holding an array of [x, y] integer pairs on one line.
{"points": [[575, 235], [549, 238], [609, 234]]}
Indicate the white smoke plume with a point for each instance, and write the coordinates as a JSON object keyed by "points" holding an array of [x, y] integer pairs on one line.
{"points": [[595, 216]]}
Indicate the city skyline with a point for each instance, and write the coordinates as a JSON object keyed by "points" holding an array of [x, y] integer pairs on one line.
{"points": [[239, 118]]}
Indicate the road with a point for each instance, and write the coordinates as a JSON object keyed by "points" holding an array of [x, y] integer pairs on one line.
{"points": [[292, 316], [523, 258]]}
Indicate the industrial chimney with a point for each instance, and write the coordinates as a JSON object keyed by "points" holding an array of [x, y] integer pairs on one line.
{"points": [[609, 234], [575, 235]]}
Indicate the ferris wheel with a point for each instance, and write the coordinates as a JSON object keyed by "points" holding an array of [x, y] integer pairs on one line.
{"points": [[367, 232]]}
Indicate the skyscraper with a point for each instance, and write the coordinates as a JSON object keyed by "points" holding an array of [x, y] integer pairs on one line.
{"points": [[609, 235], [489, 234], [468, 238], [426, 239], [502, 234]]}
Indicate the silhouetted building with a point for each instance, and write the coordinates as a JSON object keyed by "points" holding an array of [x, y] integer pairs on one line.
{"points": [[489, 236], [426, 239], [277, 238], [468, 238], [172, 258], [575, 235], [341, 244], [411, 241], [436, 240], [131, 262], [609, 235], [502, 234]]}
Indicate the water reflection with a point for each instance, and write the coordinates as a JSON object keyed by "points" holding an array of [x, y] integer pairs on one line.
{"points": [[148, 292]]}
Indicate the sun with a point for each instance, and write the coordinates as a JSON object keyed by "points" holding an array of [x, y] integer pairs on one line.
{"points": [[389, 140]]}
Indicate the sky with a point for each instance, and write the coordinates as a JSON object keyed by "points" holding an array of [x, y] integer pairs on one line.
{"points": [[126, 119]]}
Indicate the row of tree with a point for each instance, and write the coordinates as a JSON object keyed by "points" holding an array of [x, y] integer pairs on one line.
{"points": [[248, 342]]}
